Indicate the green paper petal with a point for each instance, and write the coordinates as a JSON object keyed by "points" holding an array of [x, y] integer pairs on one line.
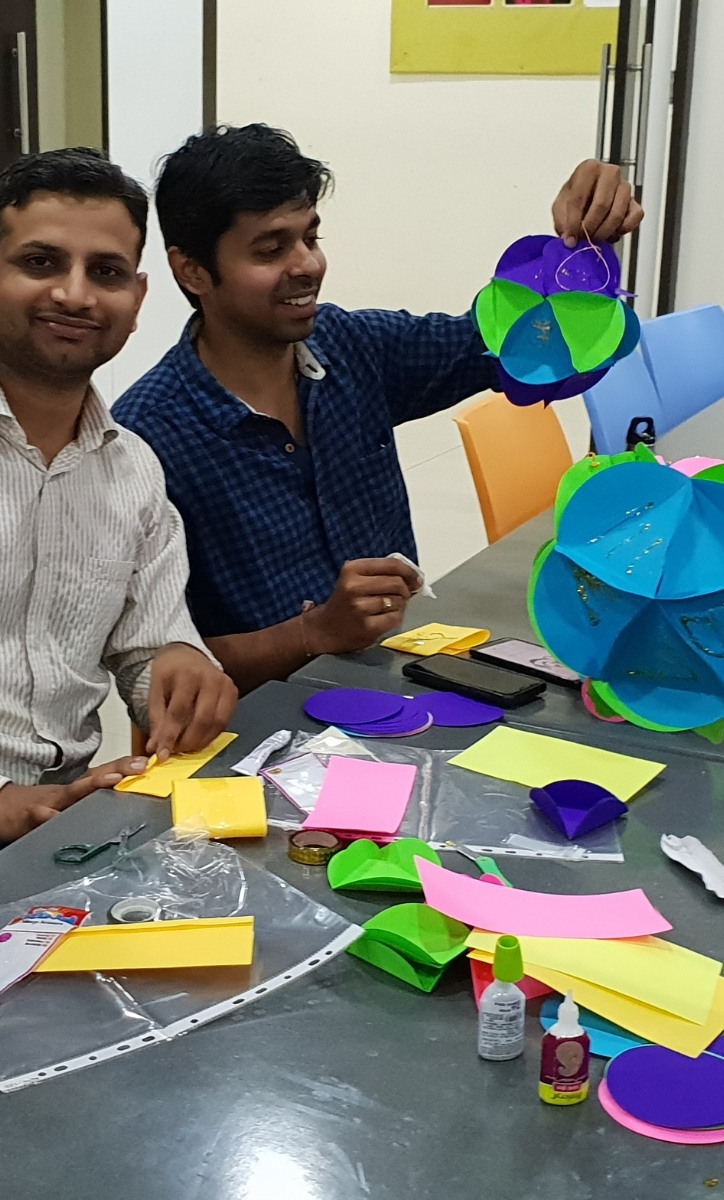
{"points": [[419, 933], [605, 692], [387, 959], [367, 867], [498, 306], [592, 326]]}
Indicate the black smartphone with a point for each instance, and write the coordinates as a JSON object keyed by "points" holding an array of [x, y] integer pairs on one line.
{"points": [[494, 685], [527, 658]]}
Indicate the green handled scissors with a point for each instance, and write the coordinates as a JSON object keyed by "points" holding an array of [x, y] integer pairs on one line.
{"points": [[82, 851]]}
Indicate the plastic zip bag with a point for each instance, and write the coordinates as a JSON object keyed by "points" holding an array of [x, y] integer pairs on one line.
{"points": [[52, 1024]]}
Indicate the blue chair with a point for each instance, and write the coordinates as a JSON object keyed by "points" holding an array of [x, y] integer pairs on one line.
{"points": [[678, 372], [684, 352], [627, 391]]}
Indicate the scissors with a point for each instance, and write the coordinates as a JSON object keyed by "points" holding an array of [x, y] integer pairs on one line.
{"points": [[80, 852]]}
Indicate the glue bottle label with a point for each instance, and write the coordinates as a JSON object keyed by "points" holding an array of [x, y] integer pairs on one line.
{"points": [[564, 1069], [501, 1032]]}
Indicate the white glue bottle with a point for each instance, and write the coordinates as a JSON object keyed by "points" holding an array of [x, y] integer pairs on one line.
{"points": [[501, 1020]]}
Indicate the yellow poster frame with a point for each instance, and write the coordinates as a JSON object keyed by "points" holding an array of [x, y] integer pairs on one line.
{"points": [[500, 39]]}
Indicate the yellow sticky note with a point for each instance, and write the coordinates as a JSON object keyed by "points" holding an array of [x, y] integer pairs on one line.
{"points": [[158, 779], [215, 942], [437, 639], [649, 969], [663, 1028], [534, 759], [227, 808]]}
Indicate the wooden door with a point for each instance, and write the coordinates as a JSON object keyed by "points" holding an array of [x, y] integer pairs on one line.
{"points": [[18, 80]]}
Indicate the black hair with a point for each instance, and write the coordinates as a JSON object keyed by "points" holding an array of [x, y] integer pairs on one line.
{"points": [[79, 171], [224, 171]]}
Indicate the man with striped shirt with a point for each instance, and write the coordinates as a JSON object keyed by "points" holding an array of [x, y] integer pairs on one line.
{"points": [[93, 563]]}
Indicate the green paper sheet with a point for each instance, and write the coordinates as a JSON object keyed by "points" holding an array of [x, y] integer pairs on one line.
{"points": [[365, 866], [498, 306], [592, 326], [387, 959], [535, 760], [419, 933]]}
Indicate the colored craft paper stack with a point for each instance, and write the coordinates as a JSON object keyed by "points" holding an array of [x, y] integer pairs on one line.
{"points": [[602, 947], [413, 942], [630, 590], [663, 1095], [364, 712], [554, 319]]}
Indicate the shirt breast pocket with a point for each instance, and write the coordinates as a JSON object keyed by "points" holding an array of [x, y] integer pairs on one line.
{"points": [[105, 598], [381, 479]]}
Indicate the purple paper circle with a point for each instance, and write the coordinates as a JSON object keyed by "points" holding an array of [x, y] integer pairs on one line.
{"points": [[662, 1087], [412, 718], [451, 710], [352, 706]]}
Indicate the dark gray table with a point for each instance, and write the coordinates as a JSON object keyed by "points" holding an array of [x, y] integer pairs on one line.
{"points": [[347, 1085]]}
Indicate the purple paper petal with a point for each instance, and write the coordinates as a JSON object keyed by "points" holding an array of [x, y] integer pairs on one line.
{"points": [[460, 711], [585, 268], [523, 262], [665, 1088], [345, 706]]}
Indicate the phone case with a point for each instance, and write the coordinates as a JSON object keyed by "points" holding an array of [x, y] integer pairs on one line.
{"points": [[494, 685]]}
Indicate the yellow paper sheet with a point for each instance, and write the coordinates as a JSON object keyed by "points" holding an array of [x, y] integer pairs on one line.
{"points": [[159, 778], [215, 942], [649, 969], [686, 1037], [227, 808], [535, 760], [437, 639]]}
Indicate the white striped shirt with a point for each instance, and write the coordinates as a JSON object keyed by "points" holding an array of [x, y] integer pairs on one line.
{"points": [[93, 570]]}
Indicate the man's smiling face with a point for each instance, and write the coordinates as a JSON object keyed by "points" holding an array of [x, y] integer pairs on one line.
{"points": [[70, 290]]}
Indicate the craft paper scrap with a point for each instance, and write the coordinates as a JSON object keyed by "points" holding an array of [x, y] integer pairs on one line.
{"points": [[387, 959], [211, 942], [482, 976], [361, 796], [648, 969], [158, 779], [651, 1024], [537, 914], [227, 808], [535, 760], [437, 639], [682, 1137]]}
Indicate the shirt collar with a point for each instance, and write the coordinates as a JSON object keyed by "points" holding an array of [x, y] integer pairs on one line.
{"points": [[211, 397], [97, 426]]}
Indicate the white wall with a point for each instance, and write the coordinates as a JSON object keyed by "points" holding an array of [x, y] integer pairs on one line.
{"points": [[154, 102], [435, 175], [701, 260]]}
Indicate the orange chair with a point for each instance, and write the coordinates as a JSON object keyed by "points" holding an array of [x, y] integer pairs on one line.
{"points": [[138, 742], [517, 457]]}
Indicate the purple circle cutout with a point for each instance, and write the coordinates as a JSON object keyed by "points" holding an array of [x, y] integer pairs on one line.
{"points": [[413, 717], [451, 710], [662, 1087], [352, 706]]}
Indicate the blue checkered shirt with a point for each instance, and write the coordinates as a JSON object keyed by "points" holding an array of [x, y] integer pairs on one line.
{"points": [[269, 523]]}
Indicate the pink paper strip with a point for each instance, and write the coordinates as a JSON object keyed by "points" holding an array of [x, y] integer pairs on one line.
{"points": [[362, 797], [682, 1137], [538, 914]]}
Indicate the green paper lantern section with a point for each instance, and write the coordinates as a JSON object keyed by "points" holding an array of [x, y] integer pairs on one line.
{"points": [[592, 327], [497, 308]]}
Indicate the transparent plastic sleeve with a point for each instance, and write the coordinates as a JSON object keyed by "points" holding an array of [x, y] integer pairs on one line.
{"points": [[448, 804], [52, 1024]]}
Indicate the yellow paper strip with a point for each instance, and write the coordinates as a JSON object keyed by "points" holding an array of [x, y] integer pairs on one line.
{"points": [[159, 778], [215, 942], [534, 760], [437, 639], [648, 969], [226, 808], [663, 1028]]}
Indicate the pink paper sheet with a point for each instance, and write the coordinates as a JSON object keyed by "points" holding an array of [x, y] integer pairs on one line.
{"points": [[682, 1137], [362, 797], [538, 914]]}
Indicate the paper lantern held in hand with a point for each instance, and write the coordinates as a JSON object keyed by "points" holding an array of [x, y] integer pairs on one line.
{"points": [[554, 319], [630, 592]]}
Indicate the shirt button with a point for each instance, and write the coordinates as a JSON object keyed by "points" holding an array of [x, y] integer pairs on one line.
{"points": [[290, 447]]}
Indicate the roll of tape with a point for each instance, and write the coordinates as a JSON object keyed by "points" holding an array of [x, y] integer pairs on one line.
{"points": [[135, 912], [313, 848]]}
